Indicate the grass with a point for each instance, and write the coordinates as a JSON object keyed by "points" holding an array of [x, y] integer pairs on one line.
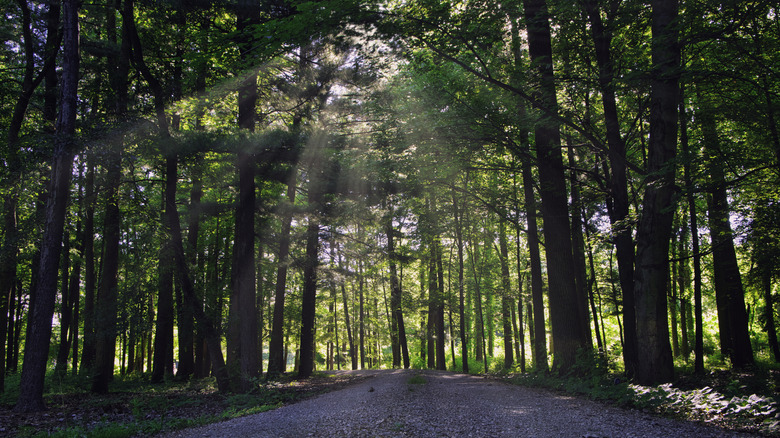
{"points": [[745, 401], [136, 407]]}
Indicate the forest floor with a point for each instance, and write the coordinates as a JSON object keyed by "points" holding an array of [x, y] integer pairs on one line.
{"points": [[145, 409], [400, 403]]}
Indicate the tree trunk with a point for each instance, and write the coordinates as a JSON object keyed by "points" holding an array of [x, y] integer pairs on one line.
{"points": [[352, 353], [578, 246], [209, 330], [163, 339], [464, 345], [8, 279], [276, 363], [309, 295], [10, 245], [242, 325], [361, 315], [698, 347], [729, 294], [618, 204], [769, 313], [88, 350], [397, 315], [186, 326], [655, 362], [37, 345], [441, 341], [565, 317], [506, 302], [537, 293], [107, 297], [430, 327]]}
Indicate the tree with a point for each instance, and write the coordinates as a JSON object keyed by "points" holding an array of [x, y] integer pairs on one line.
{"points": [[654, 232], [564, 316], [618, 201], [37, 345], [729, 294]]}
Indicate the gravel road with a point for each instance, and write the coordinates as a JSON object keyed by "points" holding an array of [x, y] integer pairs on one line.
{"points": [[449, 405]]}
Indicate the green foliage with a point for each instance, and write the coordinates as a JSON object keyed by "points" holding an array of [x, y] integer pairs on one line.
{"points": [[728, 406]]}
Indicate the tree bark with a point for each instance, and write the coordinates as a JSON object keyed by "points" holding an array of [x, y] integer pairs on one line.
{"points": [[37, 345], [565, 317], [441, 341], [729, 294], [506, 301], [88, 349], [309, 295], [655, 364], [163, 339], [397, 315], [464, 345], [618, 205], [276, 363], [107, 297], [537, 293]]}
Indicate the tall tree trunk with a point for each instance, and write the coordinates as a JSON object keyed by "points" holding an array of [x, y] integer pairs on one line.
{"points": [[8, 279], [565, 317], [107, 294], [481, 354], [683, 282], [186, 326], [309, 295], [537, 293], [729, 294], [88, 350], [37, 345], [698, 347], [464, 345], [431, 320], [242, 323], [361, 315], [10, 245], [213, 339], [655, 362], [769, 313], [107, 297], [441, 341], [163, 339], [506, 302], [618, 204], [352, 352], [578, 246], [276, 363], [396, 310]]}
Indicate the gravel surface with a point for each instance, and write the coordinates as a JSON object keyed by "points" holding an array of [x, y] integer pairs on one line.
{"points": [[449, 405]]}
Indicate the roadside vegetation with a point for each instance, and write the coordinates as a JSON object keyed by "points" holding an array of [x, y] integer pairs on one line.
{"points": [[745, 400], [139, 408]]}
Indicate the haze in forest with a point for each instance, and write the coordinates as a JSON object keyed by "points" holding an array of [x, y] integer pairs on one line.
{"points": [[242, 190]]}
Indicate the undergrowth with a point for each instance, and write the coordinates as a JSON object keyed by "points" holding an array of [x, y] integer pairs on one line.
{"points": [[722, 403], [137, 408]]}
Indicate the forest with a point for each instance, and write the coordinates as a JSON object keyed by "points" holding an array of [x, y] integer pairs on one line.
{"points": [[244, 189]]}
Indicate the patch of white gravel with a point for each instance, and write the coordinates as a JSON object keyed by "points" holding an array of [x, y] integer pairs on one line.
{"points": [[449, 405]]}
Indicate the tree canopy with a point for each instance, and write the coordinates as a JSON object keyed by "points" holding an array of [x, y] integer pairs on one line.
{"points": [[241, 189]]}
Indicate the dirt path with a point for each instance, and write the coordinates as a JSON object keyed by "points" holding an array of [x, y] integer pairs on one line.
{"points": [[449, 405]]}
